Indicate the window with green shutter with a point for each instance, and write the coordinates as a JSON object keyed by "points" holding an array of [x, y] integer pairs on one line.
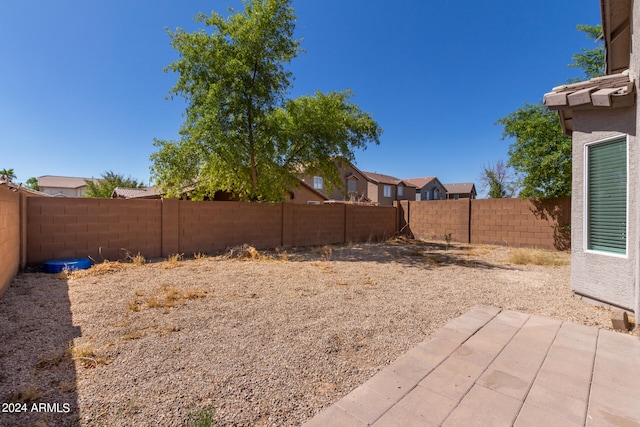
{"points": [[606, 196]]}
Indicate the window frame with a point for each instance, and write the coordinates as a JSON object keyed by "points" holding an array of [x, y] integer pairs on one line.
{"points": [[384, 191], [318, 183], [350, 183], [586, 202]]}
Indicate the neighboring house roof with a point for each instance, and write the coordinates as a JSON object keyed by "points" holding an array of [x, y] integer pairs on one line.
{"points": [[462, 188], [378, 178], [612, 91], [135, 193], [22, 189], [313, 190], [63, 181], [420, 182]]}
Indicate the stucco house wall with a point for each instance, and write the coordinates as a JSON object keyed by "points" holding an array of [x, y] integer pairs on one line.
{"points": [[604, 277], [598, 110]]}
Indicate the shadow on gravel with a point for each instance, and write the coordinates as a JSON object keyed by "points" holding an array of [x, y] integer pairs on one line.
{"points": [[37, 373], [426, 255]]}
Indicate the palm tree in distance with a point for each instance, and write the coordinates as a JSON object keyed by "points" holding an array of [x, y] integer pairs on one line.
{"points": [[7, 175]]}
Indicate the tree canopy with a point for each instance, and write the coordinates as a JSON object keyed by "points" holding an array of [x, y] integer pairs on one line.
{"points": [[541, 154], [241, 133], [103, 187], [7, 174], [591, 61], [32, 183], [498, 180]]}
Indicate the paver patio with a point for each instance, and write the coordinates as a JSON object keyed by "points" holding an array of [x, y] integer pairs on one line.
{"points": [[501, 368]]}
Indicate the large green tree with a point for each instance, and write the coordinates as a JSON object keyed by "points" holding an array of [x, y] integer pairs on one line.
{"points": [[541, 154], [103, 187], [241, 132]]}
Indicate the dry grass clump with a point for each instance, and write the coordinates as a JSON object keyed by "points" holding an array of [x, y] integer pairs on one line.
{"points": [[50, 360], [325, 252], [199, 256], [165, 297], [244, 251], [26, 395], [104, 267], [86, 355], [524, 256], [401, 240], [133, 335], [172, 261], [137, 259]]}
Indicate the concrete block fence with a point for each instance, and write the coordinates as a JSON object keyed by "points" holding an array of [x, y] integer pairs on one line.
{"points": [[37, 229], [108, 228], [508, 222]]}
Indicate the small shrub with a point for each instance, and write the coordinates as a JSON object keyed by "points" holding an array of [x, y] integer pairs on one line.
{"points": [[199, 256], [447, 238], [202, 417], [138, 259]]}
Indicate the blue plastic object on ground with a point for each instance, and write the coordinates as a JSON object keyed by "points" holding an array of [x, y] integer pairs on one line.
{"points": [[56, 266]]}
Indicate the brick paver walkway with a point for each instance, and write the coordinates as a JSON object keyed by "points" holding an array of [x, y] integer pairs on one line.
{"points": [[501, 368]]}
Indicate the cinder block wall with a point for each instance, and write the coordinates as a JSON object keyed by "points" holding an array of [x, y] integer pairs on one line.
{"points": [[108, 228], [369, 222], [318, 224], [522, 223], [9, 237], [99, 228], [434, 219], [511, 222], [209, 227]]}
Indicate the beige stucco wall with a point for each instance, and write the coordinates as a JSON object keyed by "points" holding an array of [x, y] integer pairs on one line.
{"points": [[607, 278]]}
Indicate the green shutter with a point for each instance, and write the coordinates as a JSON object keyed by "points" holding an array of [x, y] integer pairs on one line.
{"points": [[607, 196]]}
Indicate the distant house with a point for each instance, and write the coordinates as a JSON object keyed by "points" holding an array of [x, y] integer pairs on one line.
{"points": [[465, 190], [601, 115], [63, 185], [385, 189], [362, 187], [19, 188], [428, 188], [306, 193], [135, 193]]}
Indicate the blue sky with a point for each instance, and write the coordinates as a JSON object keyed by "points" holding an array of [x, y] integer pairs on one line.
{"points": [[83, 87]]}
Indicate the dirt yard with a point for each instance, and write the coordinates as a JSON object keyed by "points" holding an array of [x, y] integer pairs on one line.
{"points": [[270, 339]]}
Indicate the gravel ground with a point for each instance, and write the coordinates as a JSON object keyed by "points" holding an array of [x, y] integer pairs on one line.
{"points": [[265, 341]]}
